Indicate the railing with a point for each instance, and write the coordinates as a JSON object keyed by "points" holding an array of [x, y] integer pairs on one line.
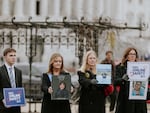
{"points": [[85, 38]]}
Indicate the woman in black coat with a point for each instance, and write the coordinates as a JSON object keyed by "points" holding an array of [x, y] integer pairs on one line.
{"points": [[124, 105], [92, 96], [55, 69]]}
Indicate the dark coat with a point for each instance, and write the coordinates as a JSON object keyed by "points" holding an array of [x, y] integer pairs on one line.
{"points": [[5, 83], [114, 93], [124, 105], [53, 106], [92, 97]]}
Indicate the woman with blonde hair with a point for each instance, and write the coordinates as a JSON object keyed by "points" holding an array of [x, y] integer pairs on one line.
{"points": [[55, 68], [92, 95], [124, 105]]}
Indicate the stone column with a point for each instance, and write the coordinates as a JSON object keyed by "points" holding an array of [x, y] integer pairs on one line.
{"points": [[88, 9], [66, 8], [32, 7], [56, 8], [77, 9], [19, 5], [97, 9], [107, 8], [44, 8], [6, 8], [118, 6]]}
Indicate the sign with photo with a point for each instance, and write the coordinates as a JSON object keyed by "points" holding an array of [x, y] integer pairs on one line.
{"points": [[14, 97], [138, 90], [138, 70], [104, 73], [61, 86]]}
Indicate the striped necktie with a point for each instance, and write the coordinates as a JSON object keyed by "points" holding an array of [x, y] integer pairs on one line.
{"points": [[12, 78]]}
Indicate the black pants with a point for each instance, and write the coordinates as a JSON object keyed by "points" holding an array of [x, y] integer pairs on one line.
{"points": [[113, 97]]}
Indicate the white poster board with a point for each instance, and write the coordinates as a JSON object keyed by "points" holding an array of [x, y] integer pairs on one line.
{"points": [[138, 70]]}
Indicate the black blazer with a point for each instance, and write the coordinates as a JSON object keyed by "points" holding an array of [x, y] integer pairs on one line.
{"points": [[5, 81], [124, 105], [53, 106], [92, 96]]}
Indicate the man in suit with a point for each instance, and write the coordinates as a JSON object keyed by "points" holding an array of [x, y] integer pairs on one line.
{"points": [[6, 81]]}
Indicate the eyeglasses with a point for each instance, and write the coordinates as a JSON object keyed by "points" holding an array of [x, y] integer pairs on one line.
{"points": [[132, 54]]}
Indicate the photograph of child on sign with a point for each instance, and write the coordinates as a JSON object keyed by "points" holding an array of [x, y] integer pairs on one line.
{"points": [[62, 92], [138, 90], [103, 73], [61, 86]]}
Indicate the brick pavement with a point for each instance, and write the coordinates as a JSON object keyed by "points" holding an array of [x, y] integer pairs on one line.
{"points": [[36, 108]]}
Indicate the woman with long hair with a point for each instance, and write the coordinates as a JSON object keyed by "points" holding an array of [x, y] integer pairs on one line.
{"points": [[92, 95], [55, 68], [124, 105]]}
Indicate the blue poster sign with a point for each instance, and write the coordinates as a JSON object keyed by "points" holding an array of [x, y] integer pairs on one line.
{"points": [[103, 72], [14, 97]]}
